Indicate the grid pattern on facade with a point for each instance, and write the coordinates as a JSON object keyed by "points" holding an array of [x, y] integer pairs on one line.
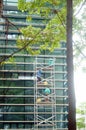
{"points": [[25, 102]]}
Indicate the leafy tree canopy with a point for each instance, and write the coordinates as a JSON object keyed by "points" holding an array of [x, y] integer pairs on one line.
{"points": [[53, 13], [81, 111], [79, 33], [53, 30]]}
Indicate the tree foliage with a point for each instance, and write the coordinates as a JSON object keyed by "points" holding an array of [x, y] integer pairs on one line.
{"points": [[53, 13], [76, 3], [81, 114], [79, 33]]}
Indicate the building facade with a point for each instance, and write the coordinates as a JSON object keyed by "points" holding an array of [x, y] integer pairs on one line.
{"points": [[33, 89]]}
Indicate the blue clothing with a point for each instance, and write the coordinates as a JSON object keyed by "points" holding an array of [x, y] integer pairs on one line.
{"points": [[39, 73]]}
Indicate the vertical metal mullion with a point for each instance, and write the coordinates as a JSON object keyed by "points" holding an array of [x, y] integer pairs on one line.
{"points": [[1, 8], [24, 93], [55, 93], [35, 93]]}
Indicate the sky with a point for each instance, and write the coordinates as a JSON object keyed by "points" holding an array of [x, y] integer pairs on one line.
{"points": [[80, 85], [79, 75]]}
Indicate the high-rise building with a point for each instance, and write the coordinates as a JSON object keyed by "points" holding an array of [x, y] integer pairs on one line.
{"points": [[33, 89]]}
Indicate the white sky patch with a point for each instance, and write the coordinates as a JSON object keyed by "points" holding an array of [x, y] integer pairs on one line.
{"points": [[80, 85]]}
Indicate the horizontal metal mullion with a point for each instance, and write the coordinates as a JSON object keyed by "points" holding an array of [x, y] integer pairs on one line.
{"points": [[39, 129], [10, 31], [9, 46], [41, 56], [25, 24], [25, 121], [40, 104], [25, 71], [19, 113], [9, 87], [17, 79], [28, 96], [17, 71], [28, 63], [16, 96]]}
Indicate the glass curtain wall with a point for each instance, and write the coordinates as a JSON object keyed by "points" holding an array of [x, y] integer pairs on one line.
{"points": [[23, 101]]}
